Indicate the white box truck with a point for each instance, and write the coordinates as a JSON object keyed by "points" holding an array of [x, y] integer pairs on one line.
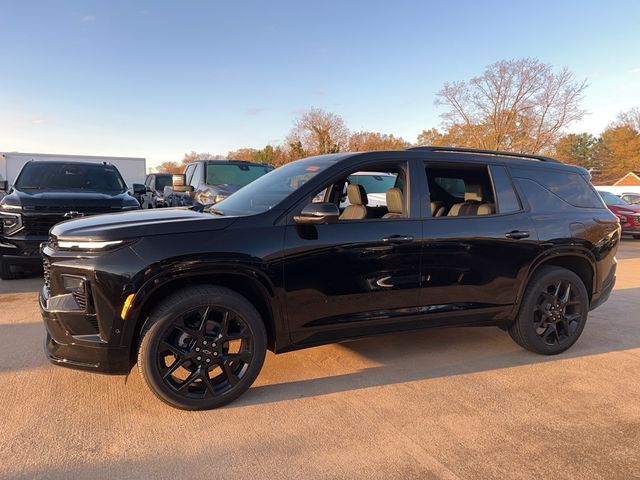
{"points": [[132, 169]]}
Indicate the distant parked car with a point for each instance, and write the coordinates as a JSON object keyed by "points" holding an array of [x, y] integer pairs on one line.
{"points": [[629, 215], [632, 198], [154, 190], [206, 182]]}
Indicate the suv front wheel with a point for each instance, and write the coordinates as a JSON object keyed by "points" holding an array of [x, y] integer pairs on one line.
{"points": [[202, 347], [553, 312]]}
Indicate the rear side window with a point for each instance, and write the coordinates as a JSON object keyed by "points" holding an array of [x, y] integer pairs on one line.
{"points": [[572, 188]]}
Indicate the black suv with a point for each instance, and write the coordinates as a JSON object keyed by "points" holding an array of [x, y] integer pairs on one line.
{"points": [[46, 193], [206, 182], [197, 296]]}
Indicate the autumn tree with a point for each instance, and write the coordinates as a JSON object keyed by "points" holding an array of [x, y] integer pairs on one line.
{"points": [[620, 150], [581, 149], [170, 167], [519, 105], [247, 154], [363, 141], [316, 132]]}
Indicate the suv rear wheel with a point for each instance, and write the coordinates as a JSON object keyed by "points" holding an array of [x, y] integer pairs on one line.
{"points": [[202, 347], [553, 312]]}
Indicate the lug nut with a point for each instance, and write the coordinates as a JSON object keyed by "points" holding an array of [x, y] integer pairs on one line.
{"points": [[204, 342], [208, 360], [197, 349], [198, 358], [215, 354], [213, 344]]}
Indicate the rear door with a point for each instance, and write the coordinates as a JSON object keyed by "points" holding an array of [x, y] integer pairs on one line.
{"points": [[473, 263]]}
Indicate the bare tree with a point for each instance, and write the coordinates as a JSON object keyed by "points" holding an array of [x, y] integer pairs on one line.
{"points": [[520, 105], [316, 132], [630, 118]]}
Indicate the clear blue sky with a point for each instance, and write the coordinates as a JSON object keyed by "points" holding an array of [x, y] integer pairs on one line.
{"points": [[159, 78]]}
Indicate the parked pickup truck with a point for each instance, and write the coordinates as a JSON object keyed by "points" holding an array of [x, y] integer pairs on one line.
{"points": [[46, 193]]}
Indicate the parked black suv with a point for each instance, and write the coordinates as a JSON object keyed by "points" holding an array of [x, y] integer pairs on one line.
{"points": [[466, 238], [46, 193], [206, 182]]}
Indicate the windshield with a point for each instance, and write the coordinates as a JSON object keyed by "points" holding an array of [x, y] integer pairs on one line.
{"points": [[70, 176], [611, 199], [234, 174], [163, 181], [374, 182], [272, 188]]}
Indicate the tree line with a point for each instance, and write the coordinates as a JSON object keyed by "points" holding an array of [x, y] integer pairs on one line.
{"points": [[520, 105]]}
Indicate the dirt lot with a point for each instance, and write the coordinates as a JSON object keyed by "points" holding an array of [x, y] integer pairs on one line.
{"points": [[457, 403]]}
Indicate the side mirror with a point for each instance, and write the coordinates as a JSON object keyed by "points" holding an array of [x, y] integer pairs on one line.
{"points": [[139, 189], [4, 185], [318, 213], [179, 182]]}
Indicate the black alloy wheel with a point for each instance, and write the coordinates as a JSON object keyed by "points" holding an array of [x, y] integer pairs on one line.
{"points": [[553, 311], [204, 348]]}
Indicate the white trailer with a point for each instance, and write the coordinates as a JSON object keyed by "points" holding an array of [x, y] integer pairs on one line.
{"points": [[132, 169]]}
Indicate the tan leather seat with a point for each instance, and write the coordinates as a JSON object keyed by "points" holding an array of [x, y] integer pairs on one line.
{"points": [[473, 203], [438, 209], [357, 196], [395, 203]]}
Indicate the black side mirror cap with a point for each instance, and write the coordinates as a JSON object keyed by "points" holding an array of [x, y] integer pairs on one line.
{"points": [[139, 189], [318, 213]]}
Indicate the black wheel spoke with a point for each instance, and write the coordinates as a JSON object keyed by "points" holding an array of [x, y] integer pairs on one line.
{"points": [[558, 312], [231, 377], [240, 356], [204, 376], [174, 366], [224, 323], [184, 386], [203, 324], [176, 351]]}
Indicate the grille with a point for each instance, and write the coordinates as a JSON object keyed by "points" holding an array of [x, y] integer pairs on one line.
{"points": [[636, 219], [71, 208], [40, 224], [81, 299], [46, 266]]}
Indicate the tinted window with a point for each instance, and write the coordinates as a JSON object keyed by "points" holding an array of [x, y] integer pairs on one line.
{"points": [[163, 181], [220, 174], [189, 172], [571, 187], [70, 176], [540, 199], [453, 186], [506, 197]]}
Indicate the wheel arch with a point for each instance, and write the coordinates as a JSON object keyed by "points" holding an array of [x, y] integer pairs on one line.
{"points": [[579, 262], [245, 282]]}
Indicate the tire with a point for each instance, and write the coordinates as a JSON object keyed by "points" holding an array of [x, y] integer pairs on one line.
{"points": [[6, 273], [553, 312], [202, 347]]}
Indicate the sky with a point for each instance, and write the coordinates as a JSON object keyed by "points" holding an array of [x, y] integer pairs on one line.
{"points": [[156, 79]]}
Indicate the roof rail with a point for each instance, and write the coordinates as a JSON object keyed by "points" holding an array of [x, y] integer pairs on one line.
{"points": [[486, 152]]}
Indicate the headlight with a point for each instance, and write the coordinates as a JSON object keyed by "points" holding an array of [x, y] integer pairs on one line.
{"points": [[11, 223], [74, 245]]}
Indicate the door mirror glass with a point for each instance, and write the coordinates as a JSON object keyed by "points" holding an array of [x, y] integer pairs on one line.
{"points": [[318, 213], [179, 182]]}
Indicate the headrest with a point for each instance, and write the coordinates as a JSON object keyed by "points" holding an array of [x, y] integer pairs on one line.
{"points": [[473, 192], [395, 203], [357, 194]]}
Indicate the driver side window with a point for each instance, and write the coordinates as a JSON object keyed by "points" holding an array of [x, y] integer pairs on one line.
{"points": [[377, 193]]}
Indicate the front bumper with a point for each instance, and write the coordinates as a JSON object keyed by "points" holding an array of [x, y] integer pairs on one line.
{"points": [[22, 251], [80, 351]]}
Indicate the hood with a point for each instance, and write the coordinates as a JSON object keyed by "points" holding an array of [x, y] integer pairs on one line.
{"points": [[64, 199], [122, 226]]}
